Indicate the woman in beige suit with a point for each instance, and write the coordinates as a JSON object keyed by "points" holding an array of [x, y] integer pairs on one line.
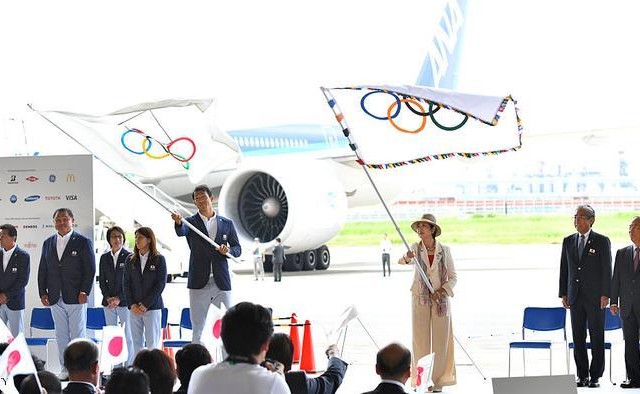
{"points": [[431, 313]]}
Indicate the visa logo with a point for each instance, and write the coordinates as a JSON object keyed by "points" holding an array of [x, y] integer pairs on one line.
{"points": [[71, 197]]}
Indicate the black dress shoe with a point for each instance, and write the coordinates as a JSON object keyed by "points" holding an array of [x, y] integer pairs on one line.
{"points": [[582, 382], [594, 383], [630, 385]]}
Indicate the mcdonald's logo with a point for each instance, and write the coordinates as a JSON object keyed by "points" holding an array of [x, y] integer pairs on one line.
{"points": [[71, 177]]}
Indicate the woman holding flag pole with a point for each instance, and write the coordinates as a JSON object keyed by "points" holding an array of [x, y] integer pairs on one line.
{"points": [[145, 276], [431, 311]]}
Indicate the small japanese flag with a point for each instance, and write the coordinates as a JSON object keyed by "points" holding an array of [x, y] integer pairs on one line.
{"points": [[423, 373], [5, 334], [114, 347], [211, 338], [16, 359]]}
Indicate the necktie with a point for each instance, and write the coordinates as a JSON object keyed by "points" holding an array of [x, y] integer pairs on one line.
{"points": [[636, 259], [581, 245]]}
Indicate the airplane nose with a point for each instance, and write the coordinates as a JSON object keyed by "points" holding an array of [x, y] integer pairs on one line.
{"points": [[271, 207]]}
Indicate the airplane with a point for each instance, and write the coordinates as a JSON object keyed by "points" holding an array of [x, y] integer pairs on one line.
{"points": [[296, 181]]}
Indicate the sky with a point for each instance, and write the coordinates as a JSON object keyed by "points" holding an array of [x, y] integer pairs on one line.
{"points": [[570, 64]]}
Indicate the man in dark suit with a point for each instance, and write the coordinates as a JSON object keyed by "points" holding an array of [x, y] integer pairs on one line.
{"points": [[65, 279], [278, 260], [14, 276], [393, 364], [281, 350], [625, 292], [208, 280], [585, 281], [81, 360], [111, 276]]}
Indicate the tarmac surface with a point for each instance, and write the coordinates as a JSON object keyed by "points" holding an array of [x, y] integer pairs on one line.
{"points": [[495, 283]]}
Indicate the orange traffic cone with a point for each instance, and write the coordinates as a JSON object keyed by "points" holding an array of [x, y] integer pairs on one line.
{"points": [[307, 358], [295, 338], [166, 335]]}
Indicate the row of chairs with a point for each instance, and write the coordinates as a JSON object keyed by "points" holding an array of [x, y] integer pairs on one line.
{"points": [[554, 319], [42, 319]]}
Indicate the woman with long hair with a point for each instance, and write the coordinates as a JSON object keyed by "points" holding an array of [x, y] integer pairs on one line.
{"points": [[145, 276], [431, 312]]}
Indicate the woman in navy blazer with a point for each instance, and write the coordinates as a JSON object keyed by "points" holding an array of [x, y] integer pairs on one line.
{"points": [[145, 276]]}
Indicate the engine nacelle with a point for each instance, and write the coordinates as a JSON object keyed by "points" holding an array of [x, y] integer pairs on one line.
{"points": [[301, 202]]}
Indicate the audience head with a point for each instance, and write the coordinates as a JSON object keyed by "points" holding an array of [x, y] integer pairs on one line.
{"points": [[48, 380], [188, 359], [129, 380], [81, 360], [394, 362], [281, 349], [159, 368], [246, 330]]}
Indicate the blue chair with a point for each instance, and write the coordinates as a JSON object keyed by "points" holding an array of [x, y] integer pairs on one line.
{"points": [[611, 323], [96, 320], [541, 319], [41, 319], [185, 323]]}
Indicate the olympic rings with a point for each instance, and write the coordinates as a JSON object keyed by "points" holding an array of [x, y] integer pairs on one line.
{"points": [[380, 117], [147, 142], [407, 101]]}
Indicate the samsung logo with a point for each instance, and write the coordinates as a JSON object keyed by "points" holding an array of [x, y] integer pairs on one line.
{"points": [[32, 198]]}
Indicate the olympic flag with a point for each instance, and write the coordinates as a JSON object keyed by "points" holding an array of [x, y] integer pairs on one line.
{"points": [[153, 139], [391, 126]]}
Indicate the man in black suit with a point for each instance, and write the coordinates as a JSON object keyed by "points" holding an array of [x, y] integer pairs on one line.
{"points": [[278, 260], [209, 280], [81, 360], [625, 288], [65, 279], [111, 276], [14, 276], [281, 350], [393, 364], [585, 281]]}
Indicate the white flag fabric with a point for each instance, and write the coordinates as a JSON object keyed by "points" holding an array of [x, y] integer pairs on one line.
{"points": [[391, 126], [151, 140], [211, 338], [345, 318], [424, 370], [16, 359], [5, 334], [114, 349]]}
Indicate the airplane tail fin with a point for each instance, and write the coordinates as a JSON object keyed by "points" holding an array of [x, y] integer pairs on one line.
{"points": [[440, 66]]}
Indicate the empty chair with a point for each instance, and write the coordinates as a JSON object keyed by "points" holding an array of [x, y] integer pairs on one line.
{"points": [[185, 323], [541, 319], [96, 320], [41, 319], [611, 322]]}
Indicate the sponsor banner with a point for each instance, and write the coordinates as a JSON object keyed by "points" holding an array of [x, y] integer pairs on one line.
{"points": [[32, 189]]}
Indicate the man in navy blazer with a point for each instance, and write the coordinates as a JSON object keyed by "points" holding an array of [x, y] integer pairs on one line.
{"points": [[393, 364], [65, 279], [114, 301], [625, 292], [585, 282], [14, 276], [209, 280]]}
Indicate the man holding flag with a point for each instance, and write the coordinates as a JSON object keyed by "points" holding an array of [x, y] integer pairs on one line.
{"points": [[209, 281]]}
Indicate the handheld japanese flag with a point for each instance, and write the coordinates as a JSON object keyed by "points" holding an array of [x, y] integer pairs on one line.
{"points": [[16, 359], [423, 373], [211, 338], [5, 334], [114, 347]]}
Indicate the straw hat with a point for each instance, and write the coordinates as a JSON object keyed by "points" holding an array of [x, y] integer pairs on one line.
{"points": [[427, 218]]}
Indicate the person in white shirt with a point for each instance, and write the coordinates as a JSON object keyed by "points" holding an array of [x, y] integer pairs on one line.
{"points": [[246, 332], [385, 250], [258, 259]]}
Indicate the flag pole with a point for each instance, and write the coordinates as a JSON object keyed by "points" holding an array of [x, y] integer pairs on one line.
{"points": [[137, 185], [345, 130]]}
